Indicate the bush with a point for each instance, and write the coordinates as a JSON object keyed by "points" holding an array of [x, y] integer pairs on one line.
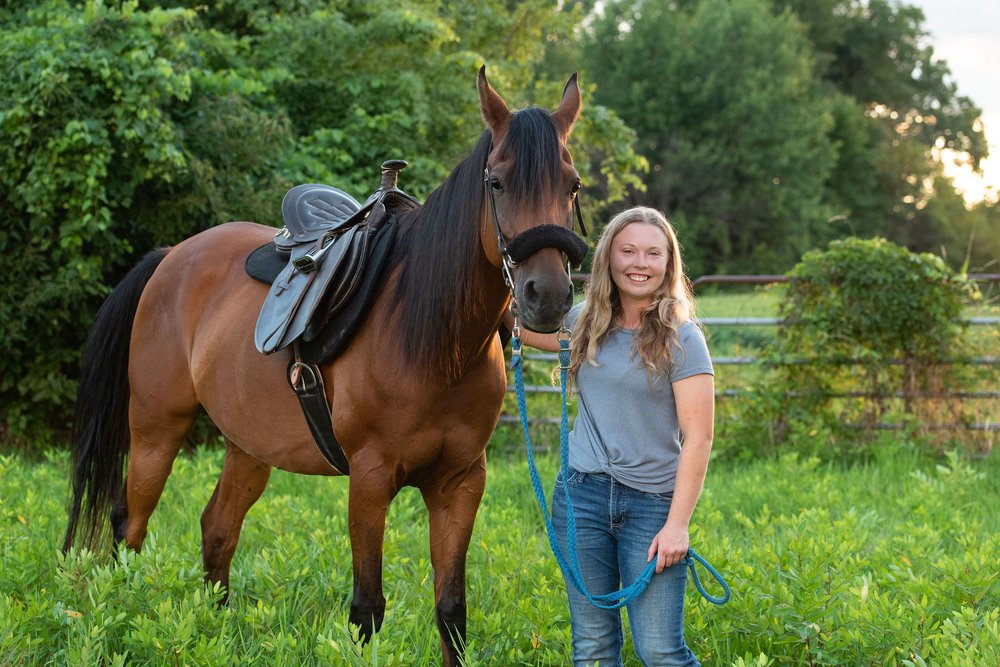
{"points": [[85, 118], [870, 336]]}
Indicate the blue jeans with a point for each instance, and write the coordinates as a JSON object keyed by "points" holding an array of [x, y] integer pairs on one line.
{"points": [[615, 524]]}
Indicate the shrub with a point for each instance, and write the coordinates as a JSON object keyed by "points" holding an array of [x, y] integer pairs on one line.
{"points": [[870, 339]]}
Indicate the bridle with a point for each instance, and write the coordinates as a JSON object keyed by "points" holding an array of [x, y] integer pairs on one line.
{"points": [[530, 241]]}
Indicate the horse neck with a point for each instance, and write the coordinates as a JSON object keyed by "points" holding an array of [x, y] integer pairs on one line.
{"points": [[496, 297], [449, 298]]}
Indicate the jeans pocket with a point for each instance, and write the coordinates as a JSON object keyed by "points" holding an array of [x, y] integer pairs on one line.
{"points": [[662, 497], [576, 477]]}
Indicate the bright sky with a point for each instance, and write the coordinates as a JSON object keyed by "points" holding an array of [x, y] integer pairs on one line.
{"points": [[966, 34]]}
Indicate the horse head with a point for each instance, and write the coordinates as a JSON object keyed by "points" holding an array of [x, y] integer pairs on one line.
{"points": [[530, 187]]}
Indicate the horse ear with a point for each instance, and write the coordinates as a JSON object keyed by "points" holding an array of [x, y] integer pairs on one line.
{"points": [[494, 109], [569, 108]]}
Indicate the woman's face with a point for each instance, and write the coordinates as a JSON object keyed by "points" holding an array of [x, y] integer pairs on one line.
{"points": [[638, 262]]}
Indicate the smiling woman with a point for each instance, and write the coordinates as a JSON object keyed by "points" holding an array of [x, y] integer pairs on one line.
{"points": [[638, 264], [645, 383]]}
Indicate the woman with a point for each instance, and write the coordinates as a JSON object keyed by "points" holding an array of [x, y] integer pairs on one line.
{"points": [[645, 382]]}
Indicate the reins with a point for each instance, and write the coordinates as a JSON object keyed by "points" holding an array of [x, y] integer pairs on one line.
{"points": [[614, 599]]}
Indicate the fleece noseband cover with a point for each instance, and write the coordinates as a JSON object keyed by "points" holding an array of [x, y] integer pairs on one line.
{"points": [[527, 243]]}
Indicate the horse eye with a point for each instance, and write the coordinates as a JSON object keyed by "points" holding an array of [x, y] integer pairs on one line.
{"points": [[496, 184], [576, 187]]}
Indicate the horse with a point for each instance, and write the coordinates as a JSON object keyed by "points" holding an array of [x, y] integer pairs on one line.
{"points": [[414, 397]]}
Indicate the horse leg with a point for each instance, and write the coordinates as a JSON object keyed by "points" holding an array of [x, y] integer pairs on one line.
{"points": [[452, 507], [241, 483], [370, 495], [119, 521], [156, 441]]}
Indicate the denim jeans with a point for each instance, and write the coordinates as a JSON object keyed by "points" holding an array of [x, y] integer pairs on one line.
{"points": [[615, 524]]}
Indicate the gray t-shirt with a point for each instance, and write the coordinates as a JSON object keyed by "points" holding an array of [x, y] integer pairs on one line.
{"points": [[626, 424]]}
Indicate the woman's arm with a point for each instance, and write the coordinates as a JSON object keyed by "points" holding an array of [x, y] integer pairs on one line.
{"points": [[546, 342], [695, 399]]}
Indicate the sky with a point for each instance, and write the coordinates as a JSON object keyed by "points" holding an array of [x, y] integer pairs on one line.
{"points": [[966, 34]]}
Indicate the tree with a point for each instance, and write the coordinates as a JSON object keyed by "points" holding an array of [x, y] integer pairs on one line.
{"points": [[86, 120], [877, 54], [723, 99], [128, 125]]}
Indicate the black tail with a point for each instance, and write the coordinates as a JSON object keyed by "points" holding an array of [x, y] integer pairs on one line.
{"points": [[100, 429]]}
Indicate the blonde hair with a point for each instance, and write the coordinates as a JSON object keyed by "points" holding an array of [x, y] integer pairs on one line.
{"points": [[672, 303]]}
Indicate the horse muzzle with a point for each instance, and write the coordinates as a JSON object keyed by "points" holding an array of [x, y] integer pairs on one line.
{"points": [[543, 290], [544, 293]]}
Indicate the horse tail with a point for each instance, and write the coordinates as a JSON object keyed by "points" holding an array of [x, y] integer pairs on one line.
{"points": [[101, 438]]}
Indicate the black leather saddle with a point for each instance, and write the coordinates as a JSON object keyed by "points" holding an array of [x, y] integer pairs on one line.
{"points": [[331, 245]]}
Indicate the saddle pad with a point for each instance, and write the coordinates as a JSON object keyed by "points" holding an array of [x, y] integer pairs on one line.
{"points": [[265, 264]]}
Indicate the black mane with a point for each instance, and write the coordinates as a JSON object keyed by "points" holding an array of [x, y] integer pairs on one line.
{"points": [[439, 291], [533, 139]]}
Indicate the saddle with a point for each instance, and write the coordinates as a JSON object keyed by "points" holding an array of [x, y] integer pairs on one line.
{"points": [[329, 244], [324, 267]]}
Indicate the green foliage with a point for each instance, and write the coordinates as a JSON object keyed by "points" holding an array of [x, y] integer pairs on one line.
{"points": [[890, 562], [774, 126], [871, 330], [972, 235], [115, 141], [712, 91], [128, 125], [867, 587], [87, 99], [874, 298], [905, 108]]}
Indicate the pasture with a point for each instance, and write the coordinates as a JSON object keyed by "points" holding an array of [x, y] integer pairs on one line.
{"points": [[888, 562], [885, 559]]}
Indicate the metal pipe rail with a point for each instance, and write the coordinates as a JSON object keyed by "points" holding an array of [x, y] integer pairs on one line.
{"points": [[770, 279], [776, 321]]}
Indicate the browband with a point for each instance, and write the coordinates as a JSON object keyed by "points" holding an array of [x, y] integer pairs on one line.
{"points": [[529, 242]]}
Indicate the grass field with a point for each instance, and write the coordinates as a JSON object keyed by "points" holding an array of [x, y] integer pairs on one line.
{"points": [[888, 560], [891, 562]]}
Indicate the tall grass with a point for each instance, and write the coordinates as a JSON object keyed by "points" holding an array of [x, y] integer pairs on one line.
{"points": [[890, 562]]}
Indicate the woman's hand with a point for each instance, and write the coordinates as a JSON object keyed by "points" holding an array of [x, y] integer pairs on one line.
{"points": [[669, 547]]}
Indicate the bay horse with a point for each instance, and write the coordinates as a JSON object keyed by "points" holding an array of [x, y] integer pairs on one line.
{"points": [[414, 397]]}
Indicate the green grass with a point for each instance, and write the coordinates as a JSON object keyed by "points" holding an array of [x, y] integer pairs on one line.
{"points": [[891, 562]]}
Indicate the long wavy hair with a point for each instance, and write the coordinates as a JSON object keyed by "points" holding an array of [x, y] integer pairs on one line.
{"points": [[672, 303]]}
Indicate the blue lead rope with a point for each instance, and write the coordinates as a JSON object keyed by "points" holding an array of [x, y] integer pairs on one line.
{"points": [[614, 599]]}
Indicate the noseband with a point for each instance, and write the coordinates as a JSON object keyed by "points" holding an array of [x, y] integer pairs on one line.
{"points": [[530, 241]]}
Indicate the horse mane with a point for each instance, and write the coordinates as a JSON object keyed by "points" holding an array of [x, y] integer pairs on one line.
{"points": [[532, 137], [439, 291]]}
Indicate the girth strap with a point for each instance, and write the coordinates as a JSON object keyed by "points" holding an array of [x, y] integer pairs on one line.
{"points": [[307, 382]]}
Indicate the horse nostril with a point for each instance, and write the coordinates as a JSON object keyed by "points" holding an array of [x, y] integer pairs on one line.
{"points": [[568, 302], [530, 291]]}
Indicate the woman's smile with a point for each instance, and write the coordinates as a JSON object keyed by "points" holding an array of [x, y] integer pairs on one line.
{"points": [[639, 262]]}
